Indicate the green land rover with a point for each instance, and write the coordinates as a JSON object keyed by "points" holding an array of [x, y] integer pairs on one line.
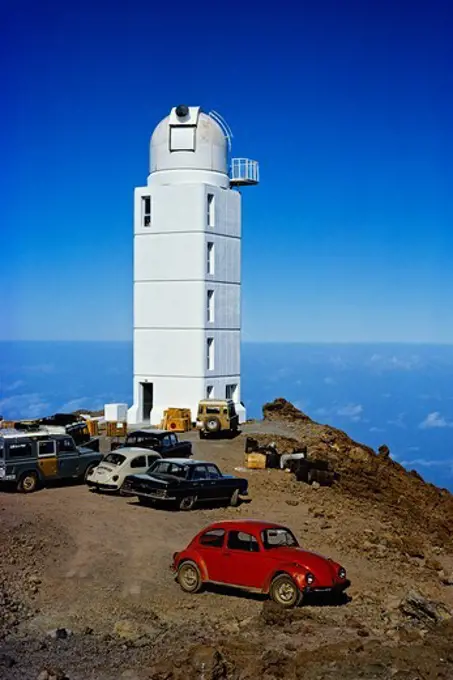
{"points": [[30, 459]]}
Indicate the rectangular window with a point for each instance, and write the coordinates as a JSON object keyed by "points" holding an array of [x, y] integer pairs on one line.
{"points": [[210, 258], [46, 449], [210, 354], [210, 306], [210, 210], [230, 392], [146, 211], [20, 450], [209, 391]]}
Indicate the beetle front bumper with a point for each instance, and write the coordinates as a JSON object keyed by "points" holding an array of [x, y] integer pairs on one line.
{"points": [[336, 588]]}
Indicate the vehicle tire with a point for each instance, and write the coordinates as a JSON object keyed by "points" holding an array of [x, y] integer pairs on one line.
{"points": [[189, 577], [284, 591], [187, 502], [234, 500], [28, 482], [88, 470], [202, 434], [144, 501], [213, 425]]}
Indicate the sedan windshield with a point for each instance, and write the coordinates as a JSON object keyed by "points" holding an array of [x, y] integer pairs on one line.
{"points": [[167, 468], [277, 538], [114, 459]]}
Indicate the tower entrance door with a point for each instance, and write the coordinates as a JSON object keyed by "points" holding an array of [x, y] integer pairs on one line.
{"points": [[147, 400]]}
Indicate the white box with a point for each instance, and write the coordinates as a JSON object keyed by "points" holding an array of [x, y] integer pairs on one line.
{"points": [[115, 413]]}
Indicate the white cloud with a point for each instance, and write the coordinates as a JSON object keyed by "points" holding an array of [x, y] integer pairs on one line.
{"points": [[394, 362], [350, 410], [398, 421], [31, 405], [435, 420], [82, 402], [425, 462], [376, 429], [14, 386], [329, 381]]}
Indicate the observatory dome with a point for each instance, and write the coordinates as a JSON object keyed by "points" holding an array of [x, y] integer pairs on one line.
{"points": [[188, 139]]}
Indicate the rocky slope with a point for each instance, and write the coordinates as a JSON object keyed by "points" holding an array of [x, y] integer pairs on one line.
{"points": [[85, 592]]}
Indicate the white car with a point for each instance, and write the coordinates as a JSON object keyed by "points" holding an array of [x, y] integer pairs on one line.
{"points": [[109, 475]]}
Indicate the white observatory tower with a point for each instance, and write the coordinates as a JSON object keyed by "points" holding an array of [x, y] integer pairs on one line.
{"points": [[187, 267]]}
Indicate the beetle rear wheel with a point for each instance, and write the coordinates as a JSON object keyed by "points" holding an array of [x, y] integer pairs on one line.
{"points": [[189, 577], [285, 592]]}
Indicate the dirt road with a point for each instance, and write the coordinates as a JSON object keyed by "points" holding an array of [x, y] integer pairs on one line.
{"points": [[101, 562]]}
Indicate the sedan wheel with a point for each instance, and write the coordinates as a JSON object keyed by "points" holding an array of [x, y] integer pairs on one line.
{"points": [[189, 577], [284, 591], [187, 502], [234, 500]]}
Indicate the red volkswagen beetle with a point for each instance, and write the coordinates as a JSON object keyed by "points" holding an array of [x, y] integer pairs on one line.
{"points": [[257, 556]]}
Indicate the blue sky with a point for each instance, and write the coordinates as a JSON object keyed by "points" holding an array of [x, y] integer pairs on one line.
{"points": [[347, 106]]}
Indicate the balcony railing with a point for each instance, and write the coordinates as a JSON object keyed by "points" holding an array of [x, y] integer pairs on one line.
{"points": [[244, 172]]}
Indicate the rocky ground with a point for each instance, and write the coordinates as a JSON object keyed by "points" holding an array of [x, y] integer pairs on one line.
{"points": [[86, 591]]}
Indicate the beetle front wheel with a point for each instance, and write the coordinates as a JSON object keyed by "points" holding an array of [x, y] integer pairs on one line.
{"points": [[189, 577], [284, 591]]}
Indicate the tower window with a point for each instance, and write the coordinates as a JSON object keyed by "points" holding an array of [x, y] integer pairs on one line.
{"points": [[146, 211], [210, 258], [230, 392], [210, 354], [210, 210], [210, 306], [209, 391]]}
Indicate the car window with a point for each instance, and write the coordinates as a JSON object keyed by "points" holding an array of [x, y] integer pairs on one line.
{"points": [[22, 450], [213, 472], [200, 472], [2, 450], [275, 538], [173, 439], [212, 409], [152, 459], [131, 440], [213, 538], [166, 441], [46, 448], [139, 462], [114, 458], [167, 468], [239, 540], [65, 445]]}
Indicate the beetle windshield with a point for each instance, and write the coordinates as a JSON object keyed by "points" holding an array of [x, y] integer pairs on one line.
{"points": [[114, 459], [277, 538]]}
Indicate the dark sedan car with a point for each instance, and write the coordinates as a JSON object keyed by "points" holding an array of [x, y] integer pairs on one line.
{"points": [[165, 443], [184, 483]]}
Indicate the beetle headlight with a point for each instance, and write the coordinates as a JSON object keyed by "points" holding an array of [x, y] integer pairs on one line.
{"points": [[115, 478], [309, 578], [342, 572]]}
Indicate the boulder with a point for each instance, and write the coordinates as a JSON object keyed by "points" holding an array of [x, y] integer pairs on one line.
{"points": [[424, 611]]}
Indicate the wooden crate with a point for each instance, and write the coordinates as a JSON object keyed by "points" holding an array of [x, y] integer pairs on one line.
{"points": [[116, 429], [93, 427], [255, 461]]}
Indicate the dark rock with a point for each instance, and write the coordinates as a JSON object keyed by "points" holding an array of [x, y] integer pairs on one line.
{"points": [[424, 611], [207, 662], [7, 661]]}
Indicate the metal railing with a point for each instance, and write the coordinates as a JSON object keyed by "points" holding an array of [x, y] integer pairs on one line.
{"points": [[244, 171]]}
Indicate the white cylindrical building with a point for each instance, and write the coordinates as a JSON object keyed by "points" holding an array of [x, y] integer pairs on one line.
{"points": [[187, 268]]}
